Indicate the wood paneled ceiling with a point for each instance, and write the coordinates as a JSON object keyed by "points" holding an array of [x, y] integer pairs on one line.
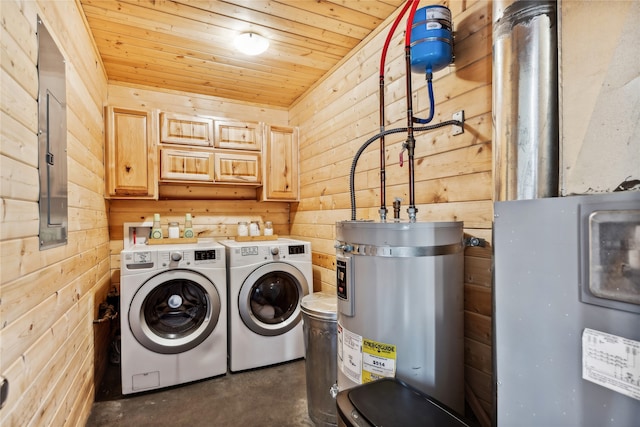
{"points": [[187, 45]]}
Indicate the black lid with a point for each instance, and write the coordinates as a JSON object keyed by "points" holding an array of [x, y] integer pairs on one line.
{"points": [[390, 403]]}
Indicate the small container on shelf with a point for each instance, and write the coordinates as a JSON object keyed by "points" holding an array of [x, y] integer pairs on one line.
{"points": [[188, 227], [268, 228], [174, 230], [243, 228], [156, 230], [254, 228]]}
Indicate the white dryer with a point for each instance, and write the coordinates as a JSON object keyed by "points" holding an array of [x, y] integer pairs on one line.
{"points": [[174, 314], [267, 281]]}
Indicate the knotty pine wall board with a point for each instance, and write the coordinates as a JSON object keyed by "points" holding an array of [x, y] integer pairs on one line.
{"points": [[479, 355], [49, 298], [133, 96], [341, 155], [36, 364], [210, 218], [206, 192], [18, 142], [480, 382], [460, 188], [315, 181]]}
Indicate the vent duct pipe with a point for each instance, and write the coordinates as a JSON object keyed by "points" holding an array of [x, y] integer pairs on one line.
{"points": [[525, 99]]}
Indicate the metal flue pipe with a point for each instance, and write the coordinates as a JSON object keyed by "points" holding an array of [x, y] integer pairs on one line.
{"points": [[525, 99]]}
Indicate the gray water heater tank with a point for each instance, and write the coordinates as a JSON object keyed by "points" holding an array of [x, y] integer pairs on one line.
{"points": [[400, 305]]}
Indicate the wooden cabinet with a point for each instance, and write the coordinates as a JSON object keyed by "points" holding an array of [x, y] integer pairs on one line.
{"points": [[144, 148], [182, 165], [236, 167], [280, 164], [187, 130], [238, 135], [213, 151], [130, 156]]}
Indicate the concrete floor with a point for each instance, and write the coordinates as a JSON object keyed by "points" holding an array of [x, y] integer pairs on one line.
{"points": [[272, 396]]}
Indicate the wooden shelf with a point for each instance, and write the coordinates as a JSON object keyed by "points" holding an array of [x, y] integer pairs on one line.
{"points": [[255, 238], [167, 241]]}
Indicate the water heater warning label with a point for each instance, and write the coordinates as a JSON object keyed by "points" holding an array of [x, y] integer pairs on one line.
{"points": [[363, 360], [612, 362], [350, 354]]}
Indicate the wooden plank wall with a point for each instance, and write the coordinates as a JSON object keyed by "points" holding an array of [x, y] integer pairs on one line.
{"points": [[452, 177], [214, 214], [49, 298]]}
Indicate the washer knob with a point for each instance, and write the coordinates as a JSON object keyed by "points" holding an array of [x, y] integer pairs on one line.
{"points": [[176, 256], [275, 250]]}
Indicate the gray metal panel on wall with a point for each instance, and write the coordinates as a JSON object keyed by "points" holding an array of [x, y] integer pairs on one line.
{"points": [[539, 320], [52, 141]]}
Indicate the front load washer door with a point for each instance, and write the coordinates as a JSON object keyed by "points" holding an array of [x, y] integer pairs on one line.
{"points": [[270, 298], [174, 311]]}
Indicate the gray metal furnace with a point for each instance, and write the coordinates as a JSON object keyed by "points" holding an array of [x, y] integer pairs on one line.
{"points": [[400, 305]]}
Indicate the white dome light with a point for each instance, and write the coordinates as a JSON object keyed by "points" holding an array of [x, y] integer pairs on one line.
{"points": [[251, 44]]}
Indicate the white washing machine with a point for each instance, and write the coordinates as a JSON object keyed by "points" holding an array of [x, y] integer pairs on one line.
{"points": [[174, 314], [267, 281]]}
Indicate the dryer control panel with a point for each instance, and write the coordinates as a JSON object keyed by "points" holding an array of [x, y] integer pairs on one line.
{"points": [[205, 256], [296, 249]]}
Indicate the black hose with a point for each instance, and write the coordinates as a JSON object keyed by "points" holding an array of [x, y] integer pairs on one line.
{"points": [[356, 157]]}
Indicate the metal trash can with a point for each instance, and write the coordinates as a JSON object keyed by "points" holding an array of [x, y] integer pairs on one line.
{"points": [[319, 315]]}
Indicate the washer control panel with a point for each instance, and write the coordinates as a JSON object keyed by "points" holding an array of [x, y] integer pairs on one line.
{"points": [[138, 260], [175, 257], [182, 258], [141, 257], [206, 255]]}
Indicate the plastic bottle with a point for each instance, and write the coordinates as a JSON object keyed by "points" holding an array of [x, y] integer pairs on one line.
{"points": [[188, 227], [243, 228], [268, 228], [174, 230], [156, 230], [254, 228]]}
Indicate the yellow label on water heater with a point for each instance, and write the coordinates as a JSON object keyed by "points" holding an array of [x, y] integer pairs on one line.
{"points": [[378, 360]]}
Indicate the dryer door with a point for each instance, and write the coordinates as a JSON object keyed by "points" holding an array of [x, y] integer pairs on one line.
{"points": [[270, 298], [174, 311]]}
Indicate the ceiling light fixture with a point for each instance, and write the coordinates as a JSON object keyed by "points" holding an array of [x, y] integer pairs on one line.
{"points": [[251, 43]]}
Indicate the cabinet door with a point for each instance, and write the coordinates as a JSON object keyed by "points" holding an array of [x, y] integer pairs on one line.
{"points": [[238, 135], [237, 168], [281, 164], [179, 165], [130, 158], [187, 130]]}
